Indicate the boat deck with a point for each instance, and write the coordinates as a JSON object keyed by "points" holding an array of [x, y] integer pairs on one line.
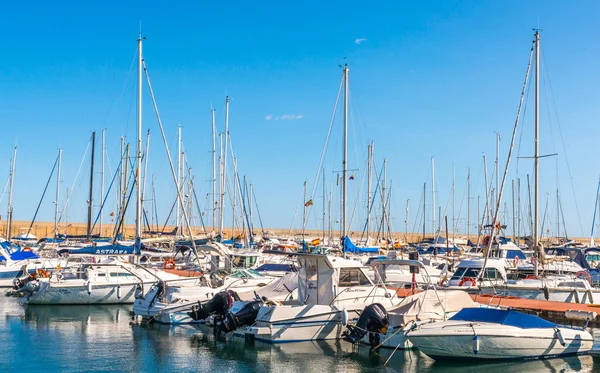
{"points": [[552, 311]]}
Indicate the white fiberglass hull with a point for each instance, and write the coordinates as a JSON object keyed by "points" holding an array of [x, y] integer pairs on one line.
{"points": [[589, 296], [286, 324], [464, 340], [123, 293]]}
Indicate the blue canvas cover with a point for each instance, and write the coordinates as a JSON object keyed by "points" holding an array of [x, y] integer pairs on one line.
{"points": [[503, 317], [349, 247], [15, 252]]}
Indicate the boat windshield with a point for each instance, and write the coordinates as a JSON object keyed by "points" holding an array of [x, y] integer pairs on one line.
{"points": [[465, 272]]}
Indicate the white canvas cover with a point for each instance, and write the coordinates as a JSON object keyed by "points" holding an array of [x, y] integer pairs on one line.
{"points": [[276, 290], [429, 306], [316, 279]]}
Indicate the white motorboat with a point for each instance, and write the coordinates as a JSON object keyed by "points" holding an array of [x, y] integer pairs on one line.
{"points": [[169, 302], [331, 291], [112, 281], [557, 288], [17, 263], [486, 333]]}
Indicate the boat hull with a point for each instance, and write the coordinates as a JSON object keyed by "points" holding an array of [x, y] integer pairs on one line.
{"points": [[100, 294], [498, 342]]}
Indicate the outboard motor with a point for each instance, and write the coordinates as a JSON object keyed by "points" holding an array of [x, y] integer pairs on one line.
{"points": [[373, 319], [219, 304], [245, 316], [19, 282]]}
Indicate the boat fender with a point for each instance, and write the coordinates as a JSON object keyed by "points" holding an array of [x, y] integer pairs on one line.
{"points": [[580, 315], [546, 292], [516, 261], [119, 292], [576, 295], [89, 288], [486, 240], [344, 317], [475, 345], [560, 337]]}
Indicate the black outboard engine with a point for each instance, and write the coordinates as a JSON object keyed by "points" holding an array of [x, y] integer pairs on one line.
{"points": [[373, 319], [19, 282], [219, 305], [245, 316]]}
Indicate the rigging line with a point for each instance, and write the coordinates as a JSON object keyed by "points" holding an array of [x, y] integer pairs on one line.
{"points": [[191, 180], [74, 181], [296, 211], [324, 151], [110, 112], [562, 139], [362, 183], [4, 190], [105, 198], [42, 199], [522, 128], [258, 212], [510, 151]]}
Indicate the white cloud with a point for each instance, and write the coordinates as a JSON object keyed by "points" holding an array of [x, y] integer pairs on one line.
{"points": [[284, 117], [360, 40]]}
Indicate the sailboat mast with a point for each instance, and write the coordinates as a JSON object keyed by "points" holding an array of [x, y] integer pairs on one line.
{"points": [[592, 243], [536, 166], [103, 152], [138, 171], [10, 195], [433, 195], [424, 204], [214, 177], [324, 204], [345, 152], [56, 201], [369, 177], [304, 211], [223, 175], [178, 182], [91, 195], [469, 204]]}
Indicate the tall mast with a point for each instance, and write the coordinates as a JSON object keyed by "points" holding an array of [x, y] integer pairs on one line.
{"points": [[383, 196], [345, 152], [103, 152], [324, 204], [433, 195], [514, 230], [138, 171], [468, 203], [121, 174], [453, 203], [424, 204], [220, 183], [224, 174], [178, 183], [304, 211], [557, 214], [10, 195], [369, 177], [56, 201], [518, 210], [496, 191], [251, 224], [91, 196], [406, 222], [214, 177], [330, 235], [536, 166], [146, 159]]}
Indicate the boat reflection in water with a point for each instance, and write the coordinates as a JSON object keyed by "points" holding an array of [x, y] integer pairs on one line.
{"points": [[103, 338]]}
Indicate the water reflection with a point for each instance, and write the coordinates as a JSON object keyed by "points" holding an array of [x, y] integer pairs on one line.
{"points": [[103, 338]]}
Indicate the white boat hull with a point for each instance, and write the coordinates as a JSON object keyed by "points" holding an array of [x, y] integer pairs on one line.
{"points": [[100, 294], [456, 340]]}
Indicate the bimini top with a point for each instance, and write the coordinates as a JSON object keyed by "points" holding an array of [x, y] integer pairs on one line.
{"points": [[503, 317]]}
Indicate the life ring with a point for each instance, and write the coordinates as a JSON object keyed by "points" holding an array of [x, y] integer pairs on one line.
{"points": [[27, 248], [169, 264], [42, 273], [530, 277], [486, 240], [516, 261], [585, 274], [465, 280]]}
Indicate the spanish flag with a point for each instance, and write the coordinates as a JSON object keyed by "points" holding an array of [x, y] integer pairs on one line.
{"points": [[315, 242], [351, 177], [308, 203]]}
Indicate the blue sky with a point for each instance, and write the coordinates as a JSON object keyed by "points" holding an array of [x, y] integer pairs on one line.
{"points": [[426, 79]]}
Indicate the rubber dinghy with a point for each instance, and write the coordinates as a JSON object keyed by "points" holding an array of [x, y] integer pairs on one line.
{"points": [[485, 333]]}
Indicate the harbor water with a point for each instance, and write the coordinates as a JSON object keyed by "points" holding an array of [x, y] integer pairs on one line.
{"points": [[105, 339]]}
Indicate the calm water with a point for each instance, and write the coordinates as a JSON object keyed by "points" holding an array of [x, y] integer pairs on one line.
{"points": [[103, 339]]}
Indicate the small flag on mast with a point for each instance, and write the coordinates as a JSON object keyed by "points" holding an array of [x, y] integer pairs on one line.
{"points": [[352, 177], [308, 203]]}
